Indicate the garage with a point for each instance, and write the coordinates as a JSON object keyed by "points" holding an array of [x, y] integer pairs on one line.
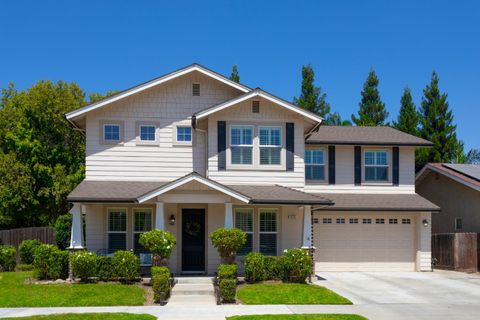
{"points": [[364, 241]]}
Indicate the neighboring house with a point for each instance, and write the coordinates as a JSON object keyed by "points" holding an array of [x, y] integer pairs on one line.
{"points": [[192, 151], [455, 188]]}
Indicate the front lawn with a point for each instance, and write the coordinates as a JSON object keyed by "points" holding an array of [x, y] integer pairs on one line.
{"points": [[299, 317], [15, 293], [288, 293], [89, 316]]}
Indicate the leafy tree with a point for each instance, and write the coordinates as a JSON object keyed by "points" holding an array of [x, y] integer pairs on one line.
{"points": [[372, 110], [408, 116], [470, 157], [436, 125], [311, 97], [95, 96], [334, 119], [234, 76], [63, 227]]}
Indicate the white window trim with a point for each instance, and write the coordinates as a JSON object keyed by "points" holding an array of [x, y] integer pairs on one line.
{"points": [[139, 125], [135, 210], [116, 209], [269, 232], [103, 124], [325, 166], [389, 166], [230, 128], [183, 141], [260, 146], [176, 143], [252, 212]]}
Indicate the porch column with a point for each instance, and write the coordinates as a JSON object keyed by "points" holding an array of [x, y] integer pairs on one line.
{"points": [[228, 216], [76, 237], [160, 216], [307, 227]]}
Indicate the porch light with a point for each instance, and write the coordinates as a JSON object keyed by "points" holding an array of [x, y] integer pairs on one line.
{"points": [[172, 220], [425, 223]]}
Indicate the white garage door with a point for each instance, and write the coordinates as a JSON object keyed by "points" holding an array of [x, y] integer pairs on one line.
{"points": [[364, 242]]}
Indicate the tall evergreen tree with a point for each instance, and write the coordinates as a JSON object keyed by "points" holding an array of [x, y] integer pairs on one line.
{"points": [[234, 76], [372, 110], [335, 119], [408, 116], [436, 125], [311, 97]]}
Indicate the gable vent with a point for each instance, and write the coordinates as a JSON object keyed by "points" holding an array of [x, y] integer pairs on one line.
{"points": [[256, 106], [196, 89]]}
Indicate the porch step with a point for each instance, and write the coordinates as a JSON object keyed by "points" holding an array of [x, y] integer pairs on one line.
{"points": [[194, 280], [193, 289]]}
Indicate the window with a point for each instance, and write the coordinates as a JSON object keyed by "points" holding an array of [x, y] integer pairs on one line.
{"points": [[458, 223], [117, 229], [255, 106], [241, 141], [147, 133], [380, 221], [268, 232], [314, 164], [376, 166], [142, 222], [196, 89], [244, 222], [111, 132], [340, 220], [393, 221], [367, 221], [270, 145], [327, 220], [184, 134], [406, 221], [353, 220]]}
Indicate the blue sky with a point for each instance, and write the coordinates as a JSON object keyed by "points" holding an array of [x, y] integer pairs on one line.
{"points": [[105, 45]]}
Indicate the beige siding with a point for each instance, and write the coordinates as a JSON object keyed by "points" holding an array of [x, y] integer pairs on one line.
{"points": [[215, 220], [167, 105], [95, 227], [291, 228]]}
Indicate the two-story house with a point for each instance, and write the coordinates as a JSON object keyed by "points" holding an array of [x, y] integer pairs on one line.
{"points": [[192, 151]]}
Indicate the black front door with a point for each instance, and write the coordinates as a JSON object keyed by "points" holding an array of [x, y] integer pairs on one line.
{"points": [[193, 240]]}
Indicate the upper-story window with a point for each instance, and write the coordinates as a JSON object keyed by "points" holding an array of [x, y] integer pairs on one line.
{"points": [[241, 141], [270, 145], [315, 164], [184, 134], [111, 132], [376, 165], [147, 133]]}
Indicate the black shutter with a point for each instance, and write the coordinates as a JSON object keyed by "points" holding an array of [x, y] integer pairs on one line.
{"points": [[289, 143], [331, 164], [358, 165], [222, 145], [396, 166]]}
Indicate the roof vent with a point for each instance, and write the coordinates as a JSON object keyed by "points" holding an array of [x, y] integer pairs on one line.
{"points": [[255, 106], [196, 89]]}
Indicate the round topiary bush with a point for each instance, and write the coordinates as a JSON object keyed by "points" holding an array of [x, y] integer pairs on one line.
{"points": [[84, 265], [160, 243], [228, 242], [126, 265], [27, 249], [63, 227], [8, 259]]}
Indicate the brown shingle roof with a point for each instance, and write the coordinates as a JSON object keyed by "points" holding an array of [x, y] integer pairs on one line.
{"points": [[278, 195], [378, 202], [364, 136], [457, 172]]}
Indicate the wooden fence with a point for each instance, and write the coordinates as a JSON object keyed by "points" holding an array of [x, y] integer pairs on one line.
{"points": [[456, 251], [14, 237]]}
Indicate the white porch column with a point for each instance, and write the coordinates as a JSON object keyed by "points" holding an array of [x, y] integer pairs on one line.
{"points": [[228, 216], [307, 227], [76, 237], [160, 216]]}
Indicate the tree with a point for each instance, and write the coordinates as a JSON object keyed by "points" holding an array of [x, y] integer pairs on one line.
{"points": [[471, 157], [334, 119], [436, 125], [234, 76], [408, 116], [95, 96], [372, 110], [311, 97]]}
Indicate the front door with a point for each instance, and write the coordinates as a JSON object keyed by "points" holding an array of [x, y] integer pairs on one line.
{"points": [[193, 240]]}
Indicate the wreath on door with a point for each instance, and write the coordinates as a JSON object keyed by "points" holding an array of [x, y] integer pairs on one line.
{"points": [[192, 228]]}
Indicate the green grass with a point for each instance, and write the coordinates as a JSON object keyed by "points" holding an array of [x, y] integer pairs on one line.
{"points": [[299, 317], [15, 293], [288, 293], [89, 316]]}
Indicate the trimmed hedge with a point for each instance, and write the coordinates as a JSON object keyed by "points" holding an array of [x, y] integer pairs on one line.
{"points": [[228, 290], [160, 282], [254, 267], [272, 268], [228, 242], [8, 259], [296, 266], [84, 265], [105, 268], [27, 250], [50, 263], [63, 227], [227, 271], [126, 265]]}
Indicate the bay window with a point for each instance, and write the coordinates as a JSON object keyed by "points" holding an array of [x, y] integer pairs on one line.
{"points": [[241, 142], [376, 166], [270, 145]]}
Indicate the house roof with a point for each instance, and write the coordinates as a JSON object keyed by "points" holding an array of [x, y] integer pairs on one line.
{"points": [[466, 174], [154, 82], [364, 136], [139, 192], [378, 202], [252, 94]]}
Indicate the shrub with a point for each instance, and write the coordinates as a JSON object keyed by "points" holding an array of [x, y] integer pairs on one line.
{"points": [[24, 267], [160, 282], [254, 267], [126, 265], [84, 265], [158, 242], [228, 290], [8, 258], [105, 268], [49, 262], [63, 227], [272, 268], [27, 250], [228, 242], [227, 271], [296, 265]]}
